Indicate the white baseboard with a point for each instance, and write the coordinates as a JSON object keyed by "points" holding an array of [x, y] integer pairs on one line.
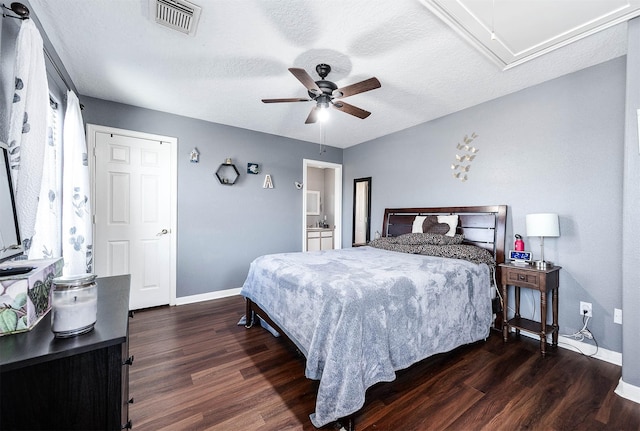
{"points": [[588, 349], [207, 296], [630, 392]]}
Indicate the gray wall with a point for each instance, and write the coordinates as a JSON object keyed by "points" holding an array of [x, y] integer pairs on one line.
{"points": [[631, 215], [556, 147], [221, 229]]}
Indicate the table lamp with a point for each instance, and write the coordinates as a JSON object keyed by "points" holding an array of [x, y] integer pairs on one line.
{"points": [[543, 225]]}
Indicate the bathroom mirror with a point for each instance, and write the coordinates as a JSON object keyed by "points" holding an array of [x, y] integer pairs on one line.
{"points": [[313, 202], [361, 211]]}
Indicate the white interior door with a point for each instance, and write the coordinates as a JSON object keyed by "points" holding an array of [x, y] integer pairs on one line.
{"points": [[133, 215]]}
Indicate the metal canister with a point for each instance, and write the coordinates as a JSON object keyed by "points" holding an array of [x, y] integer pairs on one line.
{"points": [[74, 305]]}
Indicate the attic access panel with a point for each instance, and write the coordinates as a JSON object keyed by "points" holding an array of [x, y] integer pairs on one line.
{"points": [[527, 29]]}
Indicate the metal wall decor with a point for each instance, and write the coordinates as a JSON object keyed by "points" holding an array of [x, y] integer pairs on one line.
{"points": [[464, 156]]}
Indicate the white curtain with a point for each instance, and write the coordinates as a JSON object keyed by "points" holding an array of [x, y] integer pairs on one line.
{"points": [[46, 240], [48, 224], [77, 239], [27, 126]]}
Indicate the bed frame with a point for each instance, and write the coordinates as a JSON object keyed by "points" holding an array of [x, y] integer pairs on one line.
{"points": [[483, 226]]}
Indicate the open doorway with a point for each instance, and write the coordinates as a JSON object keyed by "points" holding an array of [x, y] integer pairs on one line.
{"points": [[321, 205]]}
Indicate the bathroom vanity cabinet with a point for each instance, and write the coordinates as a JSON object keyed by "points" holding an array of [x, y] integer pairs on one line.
{"points": [[319, 239]]}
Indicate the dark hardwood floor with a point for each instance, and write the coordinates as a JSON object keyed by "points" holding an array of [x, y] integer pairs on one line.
{"points": [[195, 369]]}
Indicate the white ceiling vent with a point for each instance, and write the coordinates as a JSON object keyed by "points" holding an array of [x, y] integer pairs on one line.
{"points": [[176, 14]]}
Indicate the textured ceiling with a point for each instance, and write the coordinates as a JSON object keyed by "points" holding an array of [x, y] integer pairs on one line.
{"points": [[242, 49]]}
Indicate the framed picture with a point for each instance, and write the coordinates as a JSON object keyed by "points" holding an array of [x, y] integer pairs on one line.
{"points": [[253, 168]]}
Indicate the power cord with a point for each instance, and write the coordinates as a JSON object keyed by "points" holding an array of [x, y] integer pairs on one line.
{"points": [[581, 335], [533, 307], [585, 332], [495, 284]]}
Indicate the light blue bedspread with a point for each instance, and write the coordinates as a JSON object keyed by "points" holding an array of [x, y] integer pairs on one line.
{"points": [[360, 314]]}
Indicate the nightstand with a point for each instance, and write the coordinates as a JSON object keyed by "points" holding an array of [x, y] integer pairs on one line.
{"points": [[545, 281]]}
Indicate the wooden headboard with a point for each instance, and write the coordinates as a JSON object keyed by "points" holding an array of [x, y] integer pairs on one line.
{"points": [[484, 226]]}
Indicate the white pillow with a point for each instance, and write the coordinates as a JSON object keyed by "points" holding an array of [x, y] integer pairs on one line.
{"points": [[451, 220], [417, 224]]}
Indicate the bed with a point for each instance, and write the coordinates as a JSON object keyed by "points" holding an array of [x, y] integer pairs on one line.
{"points": [[360, 314]]}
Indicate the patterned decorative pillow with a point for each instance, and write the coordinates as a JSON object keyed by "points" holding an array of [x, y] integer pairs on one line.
{"points": [[443, 225], [432, 225], [427, 239], [452, 221], [417, 224], [468, 252], [403, 244]]}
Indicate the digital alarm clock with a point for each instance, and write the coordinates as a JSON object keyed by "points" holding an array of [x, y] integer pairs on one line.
{"points": [[520, 256]]}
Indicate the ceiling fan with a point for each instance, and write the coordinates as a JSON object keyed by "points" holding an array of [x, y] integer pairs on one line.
{"points": [[326, 93]]}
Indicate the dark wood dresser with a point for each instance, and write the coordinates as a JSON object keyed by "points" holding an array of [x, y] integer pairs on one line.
{"points": [[79, 383]]}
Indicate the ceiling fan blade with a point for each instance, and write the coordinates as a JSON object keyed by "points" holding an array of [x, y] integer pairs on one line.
{"points": [[295, 99], [358, 87], [305, 79], [313, 115], [350, 109]]}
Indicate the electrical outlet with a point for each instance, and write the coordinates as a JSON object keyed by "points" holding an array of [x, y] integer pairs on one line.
{"points": [[617, 316], [585, 306]]}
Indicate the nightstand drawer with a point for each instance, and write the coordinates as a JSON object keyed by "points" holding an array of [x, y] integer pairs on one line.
{"points": [[523, 278]]}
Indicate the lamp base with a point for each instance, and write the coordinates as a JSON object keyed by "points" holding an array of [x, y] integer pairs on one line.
{"points": [[543, 264]]}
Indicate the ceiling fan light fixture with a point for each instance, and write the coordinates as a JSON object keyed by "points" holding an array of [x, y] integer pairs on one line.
{"points": [[323, 111]]}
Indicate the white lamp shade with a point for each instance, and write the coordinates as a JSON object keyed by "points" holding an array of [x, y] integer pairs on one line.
{"points": [[543, 225]]}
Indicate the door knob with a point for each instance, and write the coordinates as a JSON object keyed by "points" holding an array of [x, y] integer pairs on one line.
{"points": [[162, 232]]}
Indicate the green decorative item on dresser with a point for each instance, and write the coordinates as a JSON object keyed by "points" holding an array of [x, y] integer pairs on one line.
{"points": [[25, 298]]}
